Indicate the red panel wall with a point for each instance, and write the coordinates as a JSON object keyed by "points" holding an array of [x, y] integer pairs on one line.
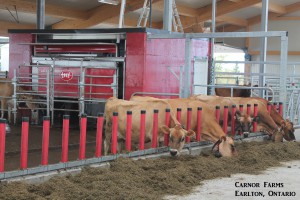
{"points": [[19, 54], [147, 62]]}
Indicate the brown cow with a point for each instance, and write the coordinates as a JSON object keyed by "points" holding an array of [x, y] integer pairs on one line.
{"points": [[286, 125], [266, 123], [6, 92], [237, 92], [121, 106], [210, 129], [243, 121]]}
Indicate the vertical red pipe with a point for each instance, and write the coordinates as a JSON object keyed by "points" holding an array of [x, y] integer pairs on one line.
{"points": [[142, 129], [167, 121], [82, 142], [280, 108], [269, 107], [24, 142], [45, 142], [275, 106], [248, 109], [199, 121], [155, 129], [241, 107], [225, 119], [128, 130], [99, 138], [65, 139], [178, 116], [255, 115], [188, 123], [233, 110], [114, 136], [2, 143], [218, 114]]}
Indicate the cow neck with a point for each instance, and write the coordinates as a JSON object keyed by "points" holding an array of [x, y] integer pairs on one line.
{"points": [[214, 130]]}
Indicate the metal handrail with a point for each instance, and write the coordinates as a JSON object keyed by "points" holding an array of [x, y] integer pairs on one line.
{"points": [[235, 87]]}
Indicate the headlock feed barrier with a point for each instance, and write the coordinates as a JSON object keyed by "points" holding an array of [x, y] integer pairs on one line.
{"points": [[98, 158]]}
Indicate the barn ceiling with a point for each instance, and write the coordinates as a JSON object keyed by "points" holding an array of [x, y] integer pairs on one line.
{"points": [[232, 15]]}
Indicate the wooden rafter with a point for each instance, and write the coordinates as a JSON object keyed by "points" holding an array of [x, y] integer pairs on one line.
{"points": [[131, 22], [4, 26], [273, 7], [224, 7], [99, 15], [52, 10]]}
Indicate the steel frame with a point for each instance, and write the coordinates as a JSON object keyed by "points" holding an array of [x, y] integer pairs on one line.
{"points": [[259, 34]]}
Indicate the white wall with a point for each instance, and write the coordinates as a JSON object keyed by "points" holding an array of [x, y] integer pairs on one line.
{"points": [[4, 57]]}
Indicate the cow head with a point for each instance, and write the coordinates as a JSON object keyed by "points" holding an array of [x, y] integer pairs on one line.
{"points": [[224, 147], [244, 121], [288, 130], [176, 138]]}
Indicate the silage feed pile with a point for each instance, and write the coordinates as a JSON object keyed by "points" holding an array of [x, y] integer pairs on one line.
{"points": [[155, 178]]}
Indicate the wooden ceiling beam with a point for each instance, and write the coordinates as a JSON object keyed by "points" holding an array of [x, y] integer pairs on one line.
{"points": [[4, 26], [224, 7], [51, 10], [232, 20], [100, 15], [182, 10], [273, 7], [293, 7]]}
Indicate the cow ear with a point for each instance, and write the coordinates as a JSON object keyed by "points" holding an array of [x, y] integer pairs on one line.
{"points": [[164, 129], [190, 133], [237, 115], [223, 138], [255, 119]]}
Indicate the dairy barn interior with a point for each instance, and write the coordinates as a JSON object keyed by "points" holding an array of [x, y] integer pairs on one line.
{"points": [[74, 74]]}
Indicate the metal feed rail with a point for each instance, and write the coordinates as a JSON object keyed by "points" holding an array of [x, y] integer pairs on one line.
{"points": [[98, 160]]}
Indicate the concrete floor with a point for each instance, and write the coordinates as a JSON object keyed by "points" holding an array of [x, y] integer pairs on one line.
{"points": [[287, 176]]}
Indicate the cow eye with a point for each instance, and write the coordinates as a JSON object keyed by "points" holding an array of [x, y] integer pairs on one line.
{"points": [[182, 139]]}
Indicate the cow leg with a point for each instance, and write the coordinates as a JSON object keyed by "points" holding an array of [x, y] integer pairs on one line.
{"points": [[107, 139], [2, 107]]}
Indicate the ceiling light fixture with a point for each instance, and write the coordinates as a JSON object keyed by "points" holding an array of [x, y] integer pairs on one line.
{"points": [[112, 2]]}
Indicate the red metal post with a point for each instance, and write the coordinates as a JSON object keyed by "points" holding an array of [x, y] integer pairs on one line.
{"points": [[199, 121], [188, 123], [155, 129], [2, 143], [114, 136], [255, 114], [225, 119], [65, 139], [269, 107], [233, 110], [99, 138], [275, 106], [24, 142], [178, 116], [280, 108], [167, 135], [218, 114], [142, 129], [248, 109], [241, 107], [128, 130], [82, 142], [45, 142]]}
